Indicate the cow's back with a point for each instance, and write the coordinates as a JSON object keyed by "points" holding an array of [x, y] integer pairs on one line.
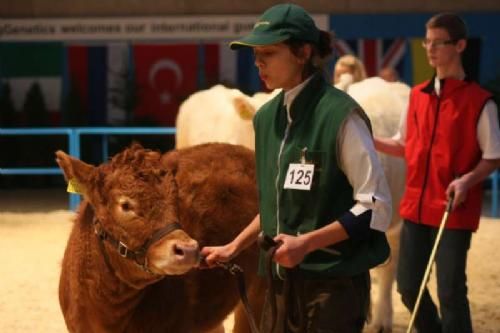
{"points": [[209, 116], [217, 199], [384, 102]]}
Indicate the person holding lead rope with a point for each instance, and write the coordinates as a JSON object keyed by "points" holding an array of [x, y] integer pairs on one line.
{"points": [[322, 192], [450, 139]]}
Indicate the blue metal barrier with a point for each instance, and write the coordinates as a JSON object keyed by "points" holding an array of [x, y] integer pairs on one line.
{"points": [[35, 131], [74, 134]]}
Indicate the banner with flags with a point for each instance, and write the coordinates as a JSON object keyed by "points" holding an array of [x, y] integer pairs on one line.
{"points": [[118, 83], [23, 64], [406, 55], [76, 78], [165, 75], [374, 53], [86, 73]]}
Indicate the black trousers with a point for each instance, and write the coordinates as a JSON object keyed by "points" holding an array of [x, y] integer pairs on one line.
{"points": [[333, 305], [451, 259]]}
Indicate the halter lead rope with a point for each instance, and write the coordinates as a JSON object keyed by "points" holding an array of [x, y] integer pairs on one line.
{"points": [[139, 255]]}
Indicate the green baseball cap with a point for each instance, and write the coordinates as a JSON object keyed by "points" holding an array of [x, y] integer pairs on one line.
{"points": [[279, 23]]}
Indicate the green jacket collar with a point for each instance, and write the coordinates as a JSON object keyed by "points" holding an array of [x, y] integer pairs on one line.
{"points": [[307, 98]]}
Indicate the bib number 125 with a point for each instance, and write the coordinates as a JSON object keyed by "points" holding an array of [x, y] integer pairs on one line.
{"points": [[299, 176]]}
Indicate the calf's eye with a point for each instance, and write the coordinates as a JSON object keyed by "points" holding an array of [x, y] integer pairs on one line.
{"points": [[125, 206]]}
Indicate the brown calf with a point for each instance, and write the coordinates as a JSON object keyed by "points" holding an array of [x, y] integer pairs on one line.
{"points": [[130, 262]]}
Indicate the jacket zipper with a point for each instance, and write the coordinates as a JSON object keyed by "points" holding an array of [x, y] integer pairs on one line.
{"points": [[276, 183], [428, 162]]}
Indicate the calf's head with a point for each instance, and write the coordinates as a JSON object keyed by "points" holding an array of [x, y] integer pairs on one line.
{"points": [[134, 199]]}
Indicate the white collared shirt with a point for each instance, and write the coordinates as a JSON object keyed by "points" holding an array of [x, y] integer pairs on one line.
{"points": [[359, 162]]}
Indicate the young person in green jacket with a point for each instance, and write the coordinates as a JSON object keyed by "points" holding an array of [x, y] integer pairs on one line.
{"points": [[322, 192]]}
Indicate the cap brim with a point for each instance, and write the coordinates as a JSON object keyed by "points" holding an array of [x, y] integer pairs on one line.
{"points": [[253, 40]]}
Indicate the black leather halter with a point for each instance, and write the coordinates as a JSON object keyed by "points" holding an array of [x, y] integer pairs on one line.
{"points": [[139, 255]]}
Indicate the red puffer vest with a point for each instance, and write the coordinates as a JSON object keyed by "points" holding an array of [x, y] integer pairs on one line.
{"points": [[441, 144]]}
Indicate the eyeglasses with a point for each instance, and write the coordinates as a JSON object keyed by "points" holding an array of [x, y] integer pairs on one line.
{"points": [[427, 43]]}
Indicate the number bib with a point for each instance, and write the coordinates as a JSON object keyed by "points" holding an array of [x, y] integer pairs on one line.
{"points": [[299, 176]]}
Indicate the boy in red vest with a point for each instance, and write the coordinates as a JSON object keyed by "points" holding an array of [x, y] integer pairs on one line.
{"points": [[451, 142]]}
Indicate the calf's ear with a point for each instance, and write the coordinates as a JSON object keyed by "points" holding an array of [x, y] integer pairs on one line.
{"points": [[243, 108], [74, 170]]}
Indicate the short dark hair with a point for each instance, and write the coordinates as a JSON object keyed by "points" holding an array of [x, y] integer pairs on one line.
{"points": [[321, 52], [450, 22]]}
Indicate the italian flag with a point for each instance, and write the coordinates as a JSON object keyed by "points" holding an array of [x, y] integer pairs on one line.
{"points": [[23, 64]]}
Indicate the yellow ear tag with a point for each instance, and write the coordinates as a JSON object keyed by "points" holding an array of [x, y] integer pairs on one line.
{"points": [[74, 186]]}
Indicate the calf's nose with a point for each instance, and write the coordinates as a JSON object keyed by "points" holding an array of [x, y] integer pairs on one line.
{"points": [[188, 252]]}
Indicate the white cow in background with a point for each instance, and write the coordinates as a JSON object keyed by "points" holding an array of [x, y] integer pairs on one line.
{"points": [[383, 102], [223, 114], [219, 114]]}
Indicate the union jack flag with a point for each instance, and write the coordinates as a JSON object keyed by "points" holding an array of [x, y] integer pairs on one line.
{"points": [[374, 53]]}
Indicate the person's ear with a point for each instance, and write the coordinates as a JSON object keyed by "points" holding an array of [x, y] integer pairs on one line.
{"points": [[305, 53], [461, 45]]}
